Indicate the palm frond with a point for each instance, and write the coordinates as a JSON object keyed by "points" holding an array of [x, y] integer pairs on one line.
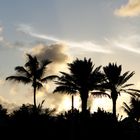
{"points": [[65, 89], [47, 78], [22, 79], [121, 78], [67, 81], [69, 84], [22, 70], [96, 80], [106, 86], [135, 90], [41, 104], [126, 108], [32, 63], [100, 94], [67, 77], [42, 69], [129, 92], [127, 85], [126, 77], [81, 68], [39, 85], [45, 62], [97, 69], [112, 72]]}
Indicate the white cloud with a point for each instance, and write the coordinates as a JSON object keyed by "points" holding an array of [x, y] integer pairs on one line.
{"points": [[14, 90], [2, 82], [131, 9], [129, 43], [7, 104], [57, 53], [89, 46]]}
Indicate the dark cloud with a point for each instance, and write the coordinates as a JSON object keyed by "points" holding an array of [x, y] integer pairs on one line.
{"points": [[55, 52]]}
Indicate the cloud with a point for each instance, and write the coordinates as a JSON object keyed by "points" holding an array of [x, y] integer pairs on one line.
{"points": [[8, 44], [57, 53], [14, 90], [129, 43], [55, 101], [131, 9], [6, 104], [54, 52], [89, 46], [3, 41], [2, 82], [60, 102]]}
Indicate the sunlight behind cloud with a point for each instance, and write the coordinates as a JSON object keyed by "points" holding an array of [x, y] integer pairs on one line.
{"points": [[66, 103], [40, 94], [14, 90], [104, 103]]}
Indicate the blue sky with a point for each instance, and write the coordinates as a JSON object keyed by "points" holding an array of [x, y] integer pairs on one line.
{"points": [[104, 30]]}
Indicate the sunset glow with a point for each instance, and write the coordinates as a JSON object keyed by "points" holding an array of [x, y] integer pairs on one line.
{"points": [[62, 31]]}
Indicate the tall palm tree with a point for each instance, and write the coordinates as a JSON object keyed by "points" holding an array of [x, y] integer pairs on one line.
{"points": [[115, 82], [133, 110], [82, 79], [32, 72]]}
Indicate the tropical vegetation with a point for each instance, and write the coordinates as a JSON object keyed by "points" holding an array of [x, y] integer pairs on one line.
{"points": [[32, 72], [84, 79]]}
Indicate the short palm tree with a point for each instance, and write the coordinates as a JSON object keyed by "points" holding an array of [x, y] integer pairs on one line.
{"points": [[133, 110], [82, 79], [115, 82], [33, 72]]}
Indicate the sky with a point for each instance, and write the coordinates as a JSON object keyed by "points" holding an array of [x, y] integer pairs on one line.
{"points": [[63, 30]]}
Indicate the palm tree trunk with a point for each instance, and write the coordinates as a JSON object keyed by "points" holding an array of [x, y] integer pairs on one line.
{"points": [[84, 105], [72, 103], [114, 107], [84, 98], [35, 96], [114, 96], [34, 86]]}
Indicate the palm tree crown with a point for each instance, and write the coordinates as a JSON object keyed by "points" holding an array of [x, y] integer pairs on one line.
{"points": [[33, 72], [133, 110], [81, 79], [116, 82]]}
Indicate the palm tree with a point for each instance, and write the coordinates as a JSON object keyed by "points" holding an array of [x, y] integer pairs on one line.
{"points": [[82, 79], [115, 82], [133, 110], [33, 72]]}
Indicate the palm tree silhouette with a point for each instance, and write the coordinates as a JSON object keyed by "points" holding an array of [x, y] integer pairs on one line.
{"points": [[82, 79], [116, 82], [133, 110], [33, 72]]}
